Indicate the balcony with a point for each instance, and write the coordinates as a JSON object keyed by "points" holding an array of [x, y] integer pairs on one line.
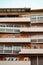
{"points": [[21, 29], [37, 39], [31, 51], [37, 18], [15, 63], [14, 19], [14, 39], [22, 51]]}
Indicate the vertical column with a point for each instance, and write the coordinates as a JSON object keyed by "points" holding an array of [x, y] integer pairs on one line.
{"points": [[37, 40], [5, 27], [37, 61], [3, 48], [13, 28], [36, 18]]}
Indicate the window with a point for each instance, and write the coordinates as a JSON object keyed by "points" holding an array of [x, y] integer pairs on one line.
{"points": [[16, 30], [2, 30], [9, 25], [40, 40], [8, 48], [23, 47], [34, 40], [1, 47], [1, 25], [9, 30], [40, 17], [33, 17], [17, 25], [17, 48]]}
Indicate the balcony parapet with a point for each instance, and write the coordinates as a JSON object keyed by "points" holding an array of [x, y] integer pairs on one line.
{"points": [[14, 39], [15, 62], [14, 19], [31, 51]]}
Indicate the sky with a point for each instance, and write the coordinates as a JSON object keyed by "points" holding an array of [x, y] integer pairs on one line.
{"points": [[33, 4]]}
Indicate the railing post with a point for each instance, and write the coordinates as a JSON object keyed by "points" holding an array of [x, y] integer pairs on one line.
{"points": [[12, 49]]}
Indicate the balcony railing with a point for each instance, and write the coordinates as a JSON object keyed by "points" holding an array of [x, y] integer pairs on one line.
{"points": [[14, 19], [9, 51], [13, 29], [9, 30]]}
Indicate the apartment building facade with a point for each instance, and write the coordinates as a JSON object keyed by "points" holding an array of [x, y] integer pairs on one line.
{"points": [[21, 36]]}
